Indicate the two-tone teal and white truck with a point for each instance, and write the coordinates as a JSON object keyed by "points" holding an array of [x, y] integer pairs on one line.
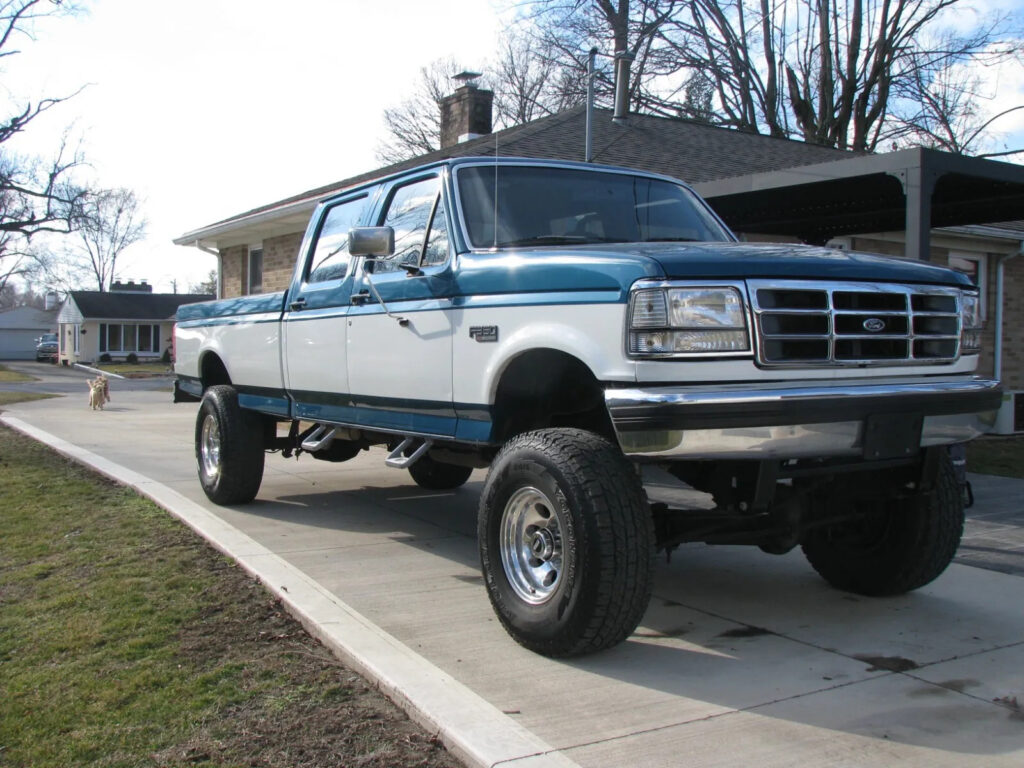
{"points": [[564, 324]]}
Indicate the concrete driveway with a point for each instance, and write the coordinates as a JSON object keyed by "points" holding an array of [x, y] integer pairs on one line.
{"points": [[742, 658]]}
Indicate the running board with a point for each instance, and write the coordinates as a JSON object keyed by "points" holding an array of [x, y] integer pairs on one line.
{"points": [[397, 458], [319, 439]]}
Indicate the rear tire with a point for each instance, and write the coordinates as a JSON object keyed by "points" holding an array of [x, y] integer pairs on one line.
{"points": [[229, 447], [566, 542], [437, 476], [900, 544]]}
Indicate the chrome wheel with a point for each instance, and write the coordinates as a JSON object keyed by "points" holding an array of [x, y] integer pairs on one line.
{"points": [[209, 447], [531, 545]]}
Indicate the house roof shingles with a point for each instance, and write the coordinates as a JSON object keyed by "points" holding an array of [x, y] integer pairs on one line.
{"points": [[107, 305]]}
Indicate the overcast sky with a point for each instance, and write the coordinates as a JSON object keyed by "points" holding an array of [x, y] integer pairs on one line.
{"points": [[210, 107]]}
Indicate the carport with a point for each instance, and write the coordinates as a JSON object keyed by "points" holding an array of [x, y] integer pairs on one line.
{"points": [[912, 190]]}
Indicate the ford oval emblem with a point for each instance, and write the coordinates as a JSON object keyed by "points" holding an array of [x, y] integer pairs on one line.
{"points": [[874, 325]]}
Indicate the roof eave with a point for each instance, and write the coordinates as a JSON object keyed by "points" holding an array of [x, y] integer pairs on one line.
{"points": [[284, 219]]}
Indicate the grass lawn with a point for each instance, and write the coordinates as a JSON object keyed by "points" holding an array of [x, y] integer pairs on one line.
{"points": [[996, 456], [9, 376], [137, 369], [9, 398], [126, 641]]}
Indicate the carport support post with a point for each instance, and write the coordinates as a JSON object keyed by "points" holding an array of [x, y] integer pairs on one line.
{"points": [[918, 185]]}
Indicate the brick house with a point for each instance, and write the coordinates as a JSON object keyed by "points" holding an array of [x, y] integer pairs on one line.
{"points": [[914, 203]]}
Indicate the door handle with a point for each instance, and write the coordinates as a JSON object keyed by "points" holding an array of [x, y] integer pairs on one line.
{"points": [[360, 298], [299, 303]]}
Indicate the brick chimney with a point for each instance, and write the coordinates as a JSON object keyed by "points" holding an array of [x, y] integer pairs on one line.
{"points": [[466, 114]]}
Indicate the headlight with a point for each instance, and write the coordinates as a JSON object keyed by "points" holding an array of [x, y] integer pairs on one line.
{"points": [[667, 321], [970, 323]]}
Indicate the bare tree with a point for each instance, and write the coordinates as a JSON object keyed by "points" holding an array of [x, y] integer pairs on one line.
{"points": [[36, 195], [414, 126], [945, 108], [528, 84], [109, 221], [527, 81], [207, 286], [851, 74], [568, 29]]}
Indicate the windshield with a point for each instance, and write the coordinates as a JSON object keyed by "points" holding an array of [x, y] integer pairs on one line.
{"points": [[540, 205], [48, 338]]}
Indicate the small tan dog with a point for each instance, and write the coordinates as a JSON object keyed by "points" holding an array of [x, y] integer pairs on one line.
{"points": [[99, 392]]}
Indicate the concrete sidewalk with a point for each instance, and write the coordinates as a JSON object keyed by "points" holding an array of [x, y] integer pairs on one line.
{"points": [[742, 658]]}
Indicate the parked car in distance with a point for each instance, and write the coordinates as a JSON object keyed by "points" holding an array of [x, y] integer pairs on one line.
{"points": [[46, 348]]}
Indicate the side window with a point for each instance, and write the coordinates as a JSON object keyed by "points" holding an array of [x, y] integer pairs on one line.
{"points": [[408, 212], [330, 255]]}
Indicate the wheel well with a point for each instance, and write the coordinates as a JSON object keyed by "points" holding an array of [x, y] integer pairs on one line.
{"points": [[212, 371], [547, 388]]}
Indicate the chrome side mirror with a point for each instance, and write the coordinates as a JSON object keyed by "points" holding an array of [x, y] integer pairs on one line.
{"points": [[375, 242]]}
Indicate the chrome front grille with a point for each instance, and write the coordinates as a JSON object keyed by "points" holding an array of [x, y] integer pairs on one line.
{"points": [[854, 324]]}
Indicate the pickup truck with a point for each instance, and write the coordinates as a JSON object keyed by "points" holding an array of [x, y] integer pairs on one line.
{"points": [[573, 327]]}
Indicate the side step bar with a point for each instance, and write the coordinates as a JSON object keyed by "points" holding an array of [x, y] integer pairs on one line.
{"points": [[320, 438], [397, 458]]}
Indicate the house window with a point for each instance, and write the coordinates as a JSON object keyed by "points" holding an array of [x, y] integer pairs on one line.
{"points": [[146, 338], [129, 337], [255, 269], [975, 266], [113, 338]]}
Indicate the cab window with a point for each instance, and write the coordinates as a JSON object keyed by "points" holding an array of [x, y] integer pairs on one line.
{"points": [[413, 211], [331, 258]]}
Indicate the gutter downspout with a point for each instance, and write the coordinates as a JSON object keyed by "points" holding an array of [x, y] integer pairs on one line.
{"points": [[997, 353], [220, 263]]}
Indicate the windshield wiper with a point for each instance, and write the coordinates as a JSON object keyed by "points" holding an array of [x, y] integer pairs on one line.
{"points": [[560, 240], [671, 240]]}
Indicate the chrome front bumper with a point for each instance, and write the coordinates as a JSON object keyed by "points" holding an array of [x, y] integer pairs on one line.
{"points": [[741, 422]]}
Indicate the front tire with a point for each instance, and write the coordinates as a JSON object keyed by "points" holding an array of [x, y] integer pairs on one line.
{"points": [[566, 542], [898, 546], [229, 447]]}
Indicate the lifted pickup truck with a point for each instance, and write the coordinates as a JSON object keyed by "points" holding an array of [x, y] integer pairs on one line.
{"points": [[563, 324]]}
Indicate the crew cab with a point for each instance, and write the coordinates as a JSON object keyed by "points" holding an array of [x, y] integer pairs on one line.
{"points": [[566, 325]]}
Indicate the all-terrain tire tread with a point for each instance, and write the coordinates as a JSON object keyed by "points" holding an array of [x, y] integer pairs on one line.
{"points": [[934, 528], [624, 526]]}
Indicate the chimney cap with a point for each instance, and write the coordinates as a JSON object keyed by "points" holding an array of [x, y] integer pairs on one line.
{"points": [[466, 78]]}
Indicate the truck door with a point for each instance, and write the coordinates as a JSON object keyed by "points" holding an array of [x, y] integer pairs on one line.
{"points": [[400, 354], [316, 318]]}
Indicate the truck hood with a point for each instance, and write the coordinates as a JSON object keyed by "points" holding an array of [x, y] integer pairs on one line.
{"points": [[790, 262]]}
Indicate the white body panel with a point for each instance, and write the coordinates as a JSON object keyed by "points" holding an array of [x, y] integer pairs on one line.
{"points": [[590, 332], [316, 352], [411, 361], [250, 349]]}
